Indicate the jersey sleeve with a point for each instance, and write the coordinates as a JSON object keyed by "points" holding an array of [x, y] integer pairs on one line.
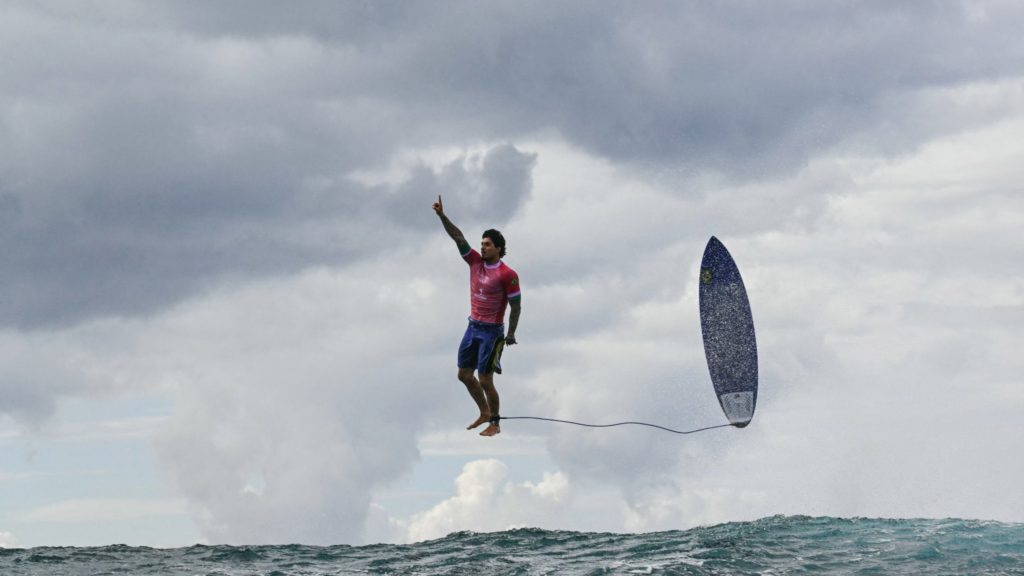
{"points": [[471, 257], [511, 284]]}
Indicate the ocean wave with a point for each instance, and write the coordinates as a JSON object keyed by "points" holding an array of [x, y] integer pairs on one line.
{"points": [[774, 545]]}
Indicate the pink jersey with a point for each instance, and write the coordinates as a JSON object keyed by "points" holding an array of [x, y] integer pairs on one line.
{"points": [[490, 288]]}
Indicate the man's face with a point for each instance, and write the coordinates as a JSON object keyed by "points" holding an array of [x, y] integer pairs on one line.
{"points": [[487, 249]]}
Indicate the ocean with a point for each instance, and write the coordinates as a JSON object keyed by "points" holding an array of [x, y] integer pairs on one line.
{"points": [[775, 545]]}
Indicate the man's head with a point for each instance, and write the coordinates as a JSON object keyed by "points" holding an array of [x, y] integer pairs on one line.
{"points": [[492, 241]]}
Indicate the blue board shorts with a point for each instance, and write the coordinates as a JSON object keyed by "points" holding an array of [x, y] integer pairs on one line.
{"points": [[481, 347]]}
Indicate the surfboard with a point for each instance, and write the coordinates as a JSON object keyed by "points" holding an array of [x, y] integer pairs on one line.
{"points": [[727, 327]]}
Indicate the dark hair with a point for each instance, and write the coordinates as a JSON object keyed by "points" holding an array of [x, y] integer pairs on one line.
{"points": [[498, 239]]}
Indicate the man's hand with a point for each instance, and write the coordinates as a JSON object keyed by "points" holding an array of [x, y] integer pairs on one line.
{"points": [[510, 340], [438, 207]]}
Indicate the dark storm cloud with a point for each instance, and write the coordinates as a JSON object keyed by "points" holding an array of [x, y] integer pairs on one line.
{"points": [[730, 86], [150, 149], [130, 254], [149, 165]]}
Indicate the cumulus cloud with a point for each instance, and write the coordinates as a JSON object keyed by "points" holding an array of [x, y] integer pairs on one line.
{"points": [[294, 398], [309, 395], [7, 540], [485, 501]]}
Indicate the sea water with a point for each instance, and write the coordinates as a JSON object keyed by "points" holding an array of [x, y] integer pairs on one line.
{"points": [[776, 545]]}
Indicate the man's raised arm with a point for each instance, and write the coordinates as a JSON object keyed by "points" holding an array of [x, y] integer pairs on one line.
{"points": [[450, 228]]}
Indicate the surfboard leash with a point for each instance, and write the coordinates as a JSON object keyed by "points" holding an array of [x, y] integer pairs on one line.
{"points": [[615, 424]]}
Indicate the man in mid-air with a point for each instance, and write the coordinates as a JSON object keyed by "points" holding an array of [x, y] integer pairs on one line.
{"points": [[492, 286]]}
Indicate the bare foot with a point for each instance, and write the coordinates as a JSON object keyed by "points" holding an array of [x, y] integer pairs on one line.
{"points": [[491, 430], [483, 418]]}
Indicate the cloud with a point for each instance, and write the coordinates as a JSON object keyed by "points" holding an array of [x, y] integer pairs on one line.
{"points": [[137, 181], [37, 369], [124, 264], [885, 319], [280, 384], [485, 501], [7, 540], [730, 87], [194, 145], [87, 511], [298, 397], [295, 401], [491, 186], [454, 442], [293, 398]]}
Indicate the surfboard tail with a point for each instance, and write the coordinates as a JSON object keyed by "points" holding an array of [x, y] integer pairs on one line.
{"points": [[738, 407]]}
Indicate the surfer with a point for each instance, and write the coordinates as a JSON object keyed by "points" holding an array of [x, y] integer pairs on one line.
{"points": [[492, 286]]}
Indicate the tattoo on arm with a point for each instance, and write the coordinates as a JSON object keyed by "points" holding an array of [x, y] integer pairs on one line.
{"points": [[455, 234]]}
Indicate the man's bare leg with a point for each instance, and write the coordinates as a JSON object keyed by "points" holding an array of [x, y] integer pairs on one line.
{"points": [[477, 392], [487, 383]]}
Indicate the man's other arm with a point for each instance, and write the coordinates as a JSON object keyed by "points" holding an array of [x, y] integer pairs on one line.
{"points": [[515, 304]]}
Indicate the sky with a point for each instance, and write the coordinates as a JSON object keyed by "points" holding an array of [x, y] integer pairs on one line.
{"points": [[228, 313]]}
